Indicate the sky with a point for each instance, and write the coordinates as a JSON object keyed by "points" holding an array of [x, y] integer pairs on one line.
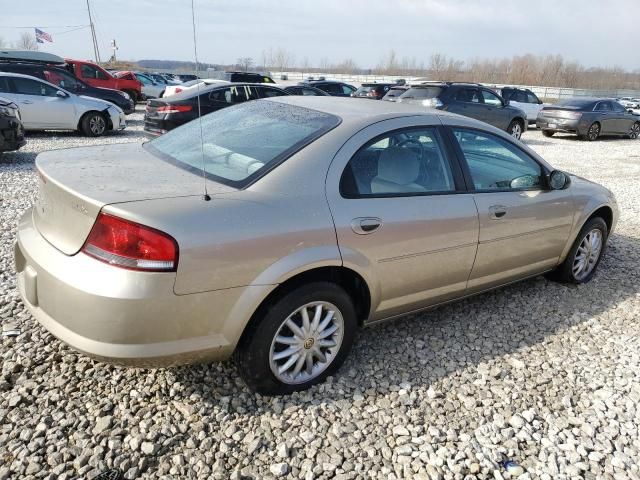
{"points": [[592, 32]]}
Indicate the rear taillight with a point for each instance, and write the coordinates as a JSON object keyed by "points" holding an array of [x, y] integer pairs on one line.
{"points": [[174, 108], [129, 245]]}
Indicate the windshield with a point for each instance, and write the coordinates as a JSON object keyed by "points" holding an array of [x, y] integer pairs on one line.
{"points": [[422, 92], [240, 143]]}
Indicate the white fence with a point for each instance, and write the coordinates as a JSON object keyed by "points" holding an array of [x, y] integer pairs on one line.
{"points": [[542, 92]]}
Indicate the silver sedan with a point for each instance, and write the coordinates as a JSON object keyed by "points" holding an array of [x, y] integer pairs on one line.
{"points": [[288, 225]]}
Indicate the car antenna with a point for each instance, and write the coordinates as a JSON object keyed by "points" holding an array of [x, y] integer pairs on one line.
{"points": [[206, 197]]}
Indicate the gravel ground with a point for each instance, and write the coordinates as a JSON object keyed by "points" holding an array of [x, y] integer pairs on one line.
{"points": [[543, 374]]}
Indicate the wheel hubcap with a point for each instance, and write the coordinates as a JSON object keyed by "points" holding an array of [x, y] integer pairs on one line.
{"points": [[96, 124], [306, 343], [516, 131], [594, 131], [587, 254], [635, 130]]}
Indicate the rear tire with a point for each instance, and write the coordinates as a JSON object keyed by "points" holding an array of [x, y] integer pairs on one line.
{"points": [[583, 253], [635, 131], [515, 129], [264, 362], [594, 132], [548, 133], [93, 124]]}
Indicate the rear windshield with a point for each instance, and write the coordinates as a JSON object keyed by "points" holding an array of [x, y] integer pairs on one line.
{"points": [[395, 92], [575, 102], [243, 142], [422, 92]]}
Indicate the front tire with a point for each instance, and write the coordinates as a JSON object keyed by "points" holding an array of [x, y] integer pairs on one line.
{"points": [[584, 257], [635, 131], [298, 340], [515, 129], [93, 124]]}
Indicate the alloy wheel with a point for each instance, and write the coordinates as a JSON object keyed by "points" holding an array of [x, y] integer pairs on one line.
{"points": [[588, 253], [306, 343], [635, 131], [516, 131], [594, 132], [97, 125]]}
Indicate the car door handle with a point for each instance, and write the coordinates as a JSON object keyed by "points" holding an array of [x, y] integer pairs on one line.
{"points": [[497, 211], [27, 102], [365, 225]]}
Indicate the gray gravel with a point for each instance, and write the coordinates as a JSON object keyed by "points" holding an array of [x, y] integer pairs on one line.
{"points": [[543, 374]]}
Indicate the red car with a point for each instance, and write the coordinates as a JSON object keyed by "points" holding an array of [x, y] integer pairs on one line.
{"points": [[97, 76]]}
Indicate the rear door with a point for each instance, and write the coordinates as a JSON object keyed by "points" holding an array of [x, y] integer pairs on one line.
{"points": [[40, 106], [467, 101], [606, 117], [524, 226], [402, 216]]}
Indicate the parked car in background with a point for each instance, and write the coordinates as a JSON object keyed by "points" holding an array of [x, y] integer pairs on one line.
{"points": [[59, 76], [307, 90], [588, 118], [11, 129], [325, 215], [333, 88], [150, 89], [374, 91], [471, 100], [629, 102], [394, 92], [524, 99], [239, 77], [163, 79], [97, 76], [165, 114], [186, 77], [183, 87], [45, 106]]}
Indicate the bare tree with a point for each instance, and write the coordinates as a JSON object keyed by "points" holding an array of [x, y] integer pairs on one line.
{"points": [[282, 59], [324, 64], [245, 63], [27, 41], [3, 44]]}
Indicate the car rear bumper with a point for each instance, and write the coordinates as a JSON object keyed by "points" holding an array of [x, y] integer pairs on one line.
{"points": [[561, 125], [123, 316]]}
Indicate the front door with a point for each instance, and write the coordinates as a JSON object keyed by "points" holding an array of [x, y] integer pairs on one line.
{"points": [[402, 217], [524, 226]]}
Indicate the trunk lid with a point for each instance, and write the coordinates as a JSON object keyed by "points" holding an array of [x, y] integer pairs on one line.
{"points": [[561, 112], [74, 184]]}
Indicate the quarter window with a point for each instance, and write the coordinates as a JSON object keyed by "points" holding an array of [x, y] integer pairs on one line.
{"points": [[496, 164], [402, 163]]}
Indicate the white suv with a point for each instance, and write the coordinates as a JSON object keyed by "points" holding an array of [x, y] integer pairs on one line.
{"points": [[524, 99], [44, 106]]}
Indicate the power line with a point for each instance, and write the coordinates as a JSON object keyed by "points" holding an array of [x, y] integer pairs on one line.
{"points": [[46, 26]]}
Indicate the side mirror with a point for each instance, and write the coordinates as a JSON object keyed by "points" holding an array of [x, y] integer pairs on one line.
{"points": [[559, 180], [61, 94]]}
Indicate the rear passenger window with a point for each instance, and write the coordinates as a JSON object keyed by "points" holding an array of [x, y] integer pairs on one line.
{"points": [[496, 164], [603, 107], [469, 95], [406, 162]]}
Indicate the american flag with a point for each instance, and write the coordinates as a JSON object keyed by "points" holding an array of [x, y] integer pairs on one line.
{"points": [[41, 36]]}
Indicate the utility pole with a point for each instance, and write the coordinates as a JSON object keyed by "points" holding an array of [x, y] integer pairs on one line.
{"points": [[96, 52], [114, 47]]}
